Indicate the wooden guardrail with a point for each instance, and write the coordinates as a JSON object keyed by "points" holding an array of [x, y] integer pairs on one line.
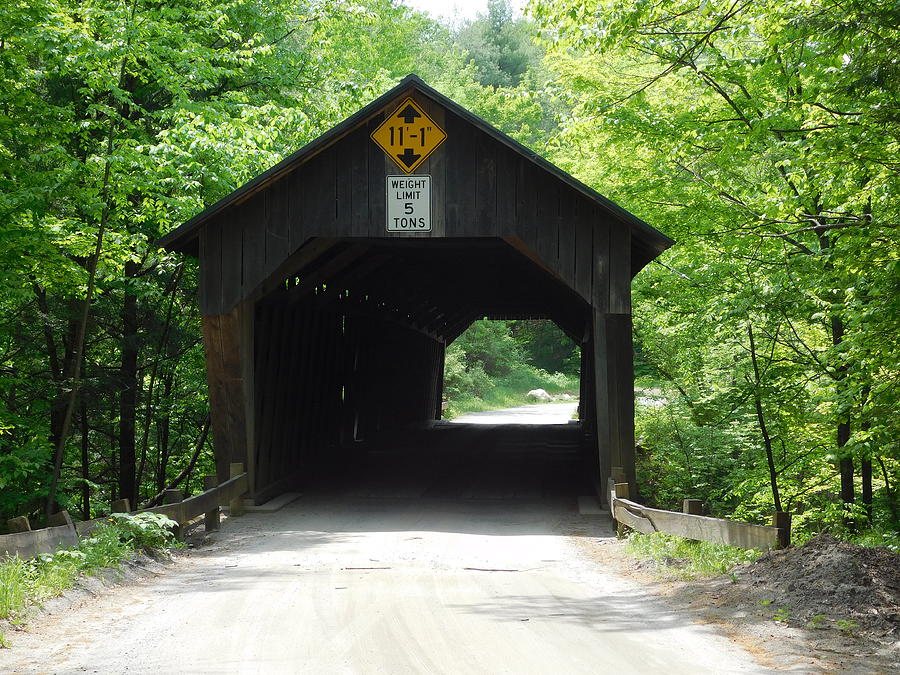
{"points": [[692, 525], [30, 543]]}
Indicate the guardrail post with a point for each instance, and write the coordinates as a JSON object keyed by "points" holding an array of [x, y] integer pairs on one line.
{"points": [[782, 521], [59, 519], [236, 505], [175, 497], [120, 506], [620, 491], [211, 518], [18, 524], [692, 506]]}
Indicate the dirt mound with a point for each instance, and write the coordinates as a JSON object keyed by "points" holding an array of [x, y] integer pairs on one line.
{"points": [[828, 583]]}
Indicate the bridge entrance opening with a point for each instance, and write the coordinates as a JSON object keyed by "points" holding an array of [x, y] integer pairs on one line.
{"points": [[512, 371], [351, 356], [327, 322]]}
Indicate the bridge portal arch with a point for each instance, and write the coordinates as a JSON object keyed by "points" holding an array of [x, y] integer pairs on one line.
{"points": [[325, 316]]}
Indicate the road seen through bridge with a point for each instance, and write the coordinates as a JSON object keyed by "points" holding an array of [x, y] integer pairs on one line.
{"points": [[460, 559]]}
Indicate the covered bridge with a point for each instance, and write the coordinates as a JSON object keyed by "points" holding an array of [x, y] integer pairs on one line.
{"points": [[331, 284]]}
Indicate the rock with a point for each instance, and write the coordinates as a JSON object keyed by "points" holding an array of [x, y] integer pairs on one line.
{"points": [[539, 395], [567, 397]]}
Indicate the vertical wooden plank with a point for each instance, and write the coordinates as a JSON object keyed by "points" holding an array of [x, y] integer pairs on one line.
{"points": [[232, 268], [460, 179], [254, 232], [602, 394], [622, 353], [601, 262], [526, 203], [357, 155], [324, 212], [506, 193], [266, 362], [376, 170], [247, 348], [546, 220], [584, 250], [343, 187], [298, 194], [277, 219], [619, 268], [565, 265], [221, 338], [486, 189]]}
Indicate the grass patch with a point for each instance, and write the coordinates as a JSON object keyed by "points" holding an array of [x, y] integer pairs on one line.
{"points": [[507, 391], [686, 558], [27, 582]]}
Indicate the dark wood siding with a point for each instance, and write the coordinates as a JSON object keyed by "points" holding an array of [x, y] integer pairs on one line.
{"points": [[348, 323], [480, 188]]}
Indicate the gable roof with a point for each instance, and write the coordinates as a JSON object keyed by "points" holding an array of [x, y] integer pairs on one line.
{"points": [[184, 237]]}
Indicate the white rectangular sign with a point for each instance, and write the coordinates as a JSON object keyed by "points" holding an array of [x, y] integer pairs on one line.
{"points": [[409, 203]]}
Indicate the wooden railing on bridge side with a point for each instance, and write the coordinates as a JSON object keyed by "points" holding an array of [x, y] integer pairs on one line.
{"points": [[692, 525], [62, 532]]}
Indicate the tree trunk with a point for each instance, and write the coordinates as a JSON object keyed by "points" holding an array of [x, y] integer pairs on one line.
{"points": [[761, 419], [866, 471], [160, 349], [162, 432], [128, 384], [891, 499], [85, 464]]}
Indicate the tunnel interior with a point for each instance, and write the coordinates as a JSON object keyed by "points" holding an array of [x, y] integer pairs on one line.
{"points": [[349, 350]]}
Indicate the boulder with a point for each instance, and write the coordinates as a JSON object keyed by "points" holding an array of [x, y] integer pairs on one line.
{"points": [[539, 395]]}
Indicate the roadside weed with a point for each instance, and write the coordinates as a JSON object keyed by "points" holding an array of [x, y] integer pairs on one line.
{"points": [[26, 582], [687, 558], [846, 626], [782, 614], [818, 621]]}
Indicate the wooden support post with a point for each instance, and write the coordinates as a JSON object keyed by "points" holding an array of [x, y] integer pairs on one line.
{"points": [[782, 521], [211, 518], [19, 524], [175, 497], [621, 492], [236, 506], [120, 506], [172, 496], [59, 519], [692, 506]]}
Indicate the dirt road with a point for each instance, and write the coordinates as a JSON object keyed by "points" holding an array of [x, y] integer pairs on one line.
{"points": [[540, 413], [454, 550], [382, 586]]}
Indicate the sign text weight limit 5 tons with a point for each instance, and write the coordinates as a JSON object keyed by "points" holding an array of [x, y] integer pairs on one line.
{"points": [[408, 203]]}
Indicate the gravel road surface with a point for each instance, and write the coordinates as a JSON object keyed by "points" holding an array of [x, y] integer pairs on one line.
{"points": [[460, 558], [383, 586]]}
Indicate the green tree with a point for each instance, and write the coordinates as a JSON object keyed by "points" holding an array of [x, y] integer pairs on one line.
{"points": [[499, 45], [762, 136]]}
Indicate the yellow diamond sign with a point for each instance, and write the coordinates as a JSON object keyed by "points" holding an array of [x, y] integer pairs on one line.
{"points": [[408, 135]]}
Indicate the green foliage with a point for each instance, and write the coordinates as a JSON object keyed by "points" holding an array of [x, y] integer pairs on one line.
{"points": [[138, 115], [144, 530], [782, 614], [686, 558], [757, 135], [25, 582], [500, 46], [491, 365]]}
